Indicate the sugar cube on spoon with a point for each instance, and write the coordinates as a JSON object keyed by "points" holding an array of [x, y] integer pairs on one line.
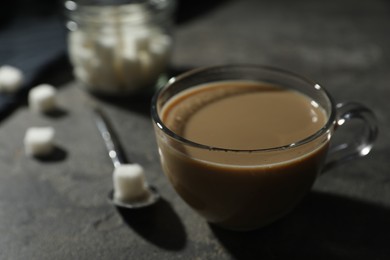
{"points": [[129, 183]]}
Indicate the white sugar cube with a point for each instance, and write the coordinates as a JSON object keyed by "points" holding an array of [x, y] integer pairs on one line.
{"points": [[129, 182], [146, 66], [80, 46], [160, 44], [142, 41], [39, 141], [11, 79], [105, 52], [131, 74], [82, 74], [42, 98], [106, 46]]}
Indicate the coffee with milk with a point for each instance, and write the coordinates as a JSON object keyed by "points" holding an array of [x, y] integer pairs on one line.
{"points": [[236, 119]]}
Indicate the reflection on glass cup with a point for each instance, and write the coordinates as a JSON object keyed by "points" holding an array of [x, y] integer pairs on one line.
{"points": [[243, 144]]}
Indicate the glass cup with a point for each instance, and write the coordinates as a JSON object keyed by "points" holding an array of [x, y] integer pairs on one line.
{"points": [[273, 180]]}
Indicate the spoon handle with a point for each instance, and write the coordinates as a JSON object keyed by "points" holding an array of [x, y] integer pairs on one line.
{"points": [[111, 141]]}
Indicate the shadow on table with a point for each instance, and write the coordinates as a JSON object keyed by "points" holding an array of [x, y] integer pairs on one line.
{"points": [[324, 226], [58, 154], [159, 224]]}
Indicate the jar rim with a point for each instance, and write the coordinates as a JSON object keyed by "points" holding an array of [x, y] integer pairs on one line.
{"points": [[133, 10]]}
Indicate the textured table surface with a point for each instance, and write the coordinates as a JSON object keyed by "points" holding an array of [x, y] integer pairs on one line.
{"points": [[58, 208]]}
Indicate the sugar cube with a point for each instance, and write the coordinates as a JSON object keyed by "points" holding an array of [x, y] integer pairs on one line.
{"points": [[42, 98], [39, 141], [129, 182], [11, 79]]}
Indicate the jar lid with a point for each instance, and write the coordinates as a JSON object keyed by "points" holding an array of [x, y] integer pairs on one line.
{"points": [[72, 5]]}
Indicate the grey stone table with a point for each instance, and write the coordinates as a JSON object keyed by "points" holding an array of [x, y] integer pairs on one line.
{"points": [[58, 209]]}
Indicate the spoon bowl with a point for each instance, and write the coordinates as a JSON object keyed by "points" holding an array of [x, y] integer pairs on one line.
{"points": [[152, 197], [118, 158]]}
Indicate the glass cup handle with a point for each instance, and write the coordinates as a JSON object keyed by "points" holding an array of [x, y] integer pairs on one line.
{"points": [[361, 145]]}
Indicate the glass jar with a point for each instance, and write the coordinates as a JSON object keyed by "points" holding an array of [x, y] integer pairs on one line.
{"points": [[120, 46]]}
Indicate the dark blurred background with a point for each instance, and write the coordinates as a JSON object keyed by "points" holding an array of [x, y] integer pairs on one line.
{"points": [[13, 9]]}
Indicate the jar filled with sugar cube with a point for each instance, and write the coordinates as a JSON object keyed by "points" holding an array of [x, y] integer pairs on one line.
{"points": [[119, 47]]}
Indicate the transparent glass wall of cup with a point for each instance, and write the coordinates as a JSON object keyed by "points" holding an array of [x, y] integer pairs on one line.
{"points": [[218, 190], [119, 47]]}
